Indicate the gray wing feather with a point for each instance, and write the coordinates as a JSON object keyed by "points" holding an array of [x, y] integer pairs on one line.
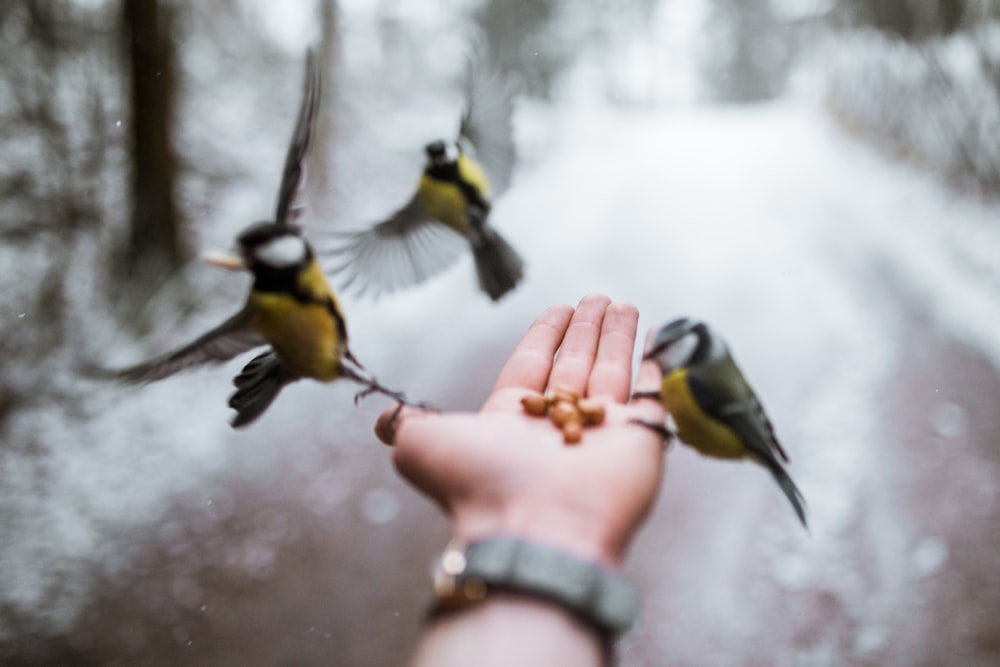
{"points": [[231, 338], [408, 248], [748, 418], [487, 121], [741, 410], [293, 174], [737, 406]]}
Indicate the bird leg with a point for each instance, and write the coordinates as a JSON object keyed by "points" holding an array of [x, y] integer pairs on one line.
{"points": [[372, 386], [659, 429], [354, 360]]}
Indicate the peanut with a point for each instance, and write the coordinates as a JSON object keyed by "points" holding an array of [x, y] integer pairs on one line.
{"points": [[535, 404], [592, 412], [563, 412], [572, 432]]}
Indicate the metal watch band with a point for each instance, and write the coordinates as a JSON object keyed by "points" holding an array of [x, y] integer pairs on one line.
{"points": [[467, 572]]}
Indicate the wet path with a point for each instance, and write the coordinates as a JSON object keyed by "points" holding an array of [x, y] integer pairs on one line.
{"points": [[306, 549]]}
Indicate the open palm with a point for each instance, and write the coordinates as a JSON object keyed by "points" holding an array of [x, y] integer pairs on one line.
{"points": [[501, 471]]}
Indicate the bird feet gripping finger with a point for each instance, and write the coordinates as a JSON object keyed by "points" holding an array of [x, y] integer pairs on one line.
{"points": [[658, 428], [385, 426], [373, 387], [661, 430]]}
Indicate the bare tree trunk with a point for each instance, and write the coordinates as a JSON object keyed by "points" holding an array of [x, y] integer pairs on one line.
{"points": [[321, 160], [154, 245]]}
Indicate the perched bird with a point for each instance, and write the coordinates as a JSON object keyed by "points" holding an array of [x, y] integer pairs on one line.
{"points": [[451, 206], [714, 408], [291, 307]]}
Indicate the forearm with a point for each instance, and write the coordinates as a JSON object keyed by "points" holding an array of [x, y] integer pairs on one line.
{"points": [[509, 629]]}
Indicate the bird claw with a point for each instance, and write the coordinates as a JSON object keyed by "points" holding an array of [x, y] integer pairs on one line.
{"points": [[364, 393], [661, 430], [397, 396]]}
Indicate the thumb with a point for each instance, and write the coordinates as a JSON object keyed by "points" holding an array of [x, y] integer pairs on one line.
{"points": [[387, 424]]}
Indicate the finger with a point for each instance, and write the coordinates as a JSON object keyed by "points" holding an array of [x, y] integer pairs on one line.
{"points": [[612, 372], [579, 348], [387, 424], [649, 379], [529, 364]]}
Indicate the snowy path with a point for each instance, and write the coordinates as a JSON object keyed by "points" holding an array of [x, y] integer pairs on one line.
{"points": [[849, 290]]}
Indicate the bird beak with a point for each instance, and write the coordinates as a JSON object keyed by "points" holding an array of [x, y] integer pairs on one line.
{"points": [[225, 260]]}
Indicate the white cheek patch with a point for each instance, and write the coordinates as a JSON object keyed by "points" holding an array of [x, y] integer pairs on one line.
{"points": [[680, 352], [282, 252], [451, 151]]}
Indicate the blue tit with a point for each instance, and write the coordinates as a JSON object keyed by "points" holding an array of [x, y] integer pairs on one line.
{"points": [[451, 206], [291, 307], [714, 408]]}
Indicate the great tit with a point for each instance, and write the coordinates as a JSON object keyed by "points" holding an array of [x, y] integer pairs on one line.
{"points": [[451, 206], [291, 307], [711, 403]]}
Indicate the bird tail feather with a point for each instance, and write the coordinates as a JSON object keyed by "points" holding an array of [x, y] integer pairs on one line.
{"points": [[498, 265], [257, 385], [795, 496]]}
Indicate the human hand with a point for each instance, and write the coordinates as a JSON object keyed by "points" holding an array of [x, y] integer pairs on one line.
{"points": [[502, 471]]}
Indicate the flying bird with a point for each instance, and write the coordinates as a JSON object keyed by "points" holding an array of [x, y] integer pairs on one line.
{"points": [[450, 210], [291, 307]]}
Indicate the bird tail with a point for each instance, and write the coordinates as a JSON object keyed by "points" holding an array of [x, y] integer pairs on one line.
{"points": [[498, 265], [256, 387], [784, 480]]}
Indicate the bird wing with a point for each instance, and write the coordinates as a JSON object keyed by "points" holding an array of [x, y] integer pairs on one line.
{"points": [[740, 411], [487, 121], [293, 174], [229, 339], [406, 249], [739, 408]]}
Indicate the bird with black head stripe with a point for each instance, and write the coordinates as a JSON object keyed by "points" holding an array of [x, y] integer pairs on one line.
{"points": [[450, 211], [715, 409], [290, 308]]}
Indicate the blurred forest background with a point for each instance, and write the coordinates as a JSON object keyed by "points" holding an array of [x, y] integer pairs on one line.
{"points": [[136, 133]]}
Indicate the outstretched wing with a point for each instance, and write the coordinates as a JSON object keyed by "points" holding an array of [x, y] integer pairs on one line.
{"points": [[294, 172], [404, 250], [231, 338], [487, 120]]}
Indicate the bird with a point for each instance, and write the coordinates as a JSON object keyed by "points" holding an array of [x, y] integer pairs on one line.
{"points": [[713, 407], [450, 209], [291, 307]]}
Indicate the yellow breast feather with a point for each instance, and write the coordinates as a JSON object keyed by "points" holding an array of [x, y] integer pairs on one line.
{"points": [[304, 335], [443, 201], [706, 434]]}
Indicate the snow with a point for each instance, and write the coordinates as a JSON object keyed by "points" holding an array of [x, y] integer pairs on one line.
{"points": [[763, 220]]}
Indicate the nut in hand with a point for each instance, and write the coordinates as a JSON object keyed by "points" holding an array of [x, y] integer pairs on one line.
{"points": [[567, 411], [535, 404], [592, 412], [572, 431], [563, 412]]}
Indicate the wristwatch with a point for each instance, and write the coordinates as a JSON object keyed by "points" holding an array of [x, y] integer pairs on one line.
{"points": [[467, 572]]}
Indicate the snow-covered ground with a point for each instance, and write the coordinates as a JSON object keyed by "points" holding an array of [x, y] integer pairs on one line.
{"points": [[813, 255]]}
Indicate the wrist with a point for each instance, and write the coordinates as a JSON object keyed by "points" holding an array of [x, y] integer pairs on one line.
{"points": [[573, 532]]}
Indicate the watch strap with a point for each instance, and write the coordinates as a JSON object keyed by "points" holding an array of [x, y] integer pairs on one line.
{"points": [[467, 572]]}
